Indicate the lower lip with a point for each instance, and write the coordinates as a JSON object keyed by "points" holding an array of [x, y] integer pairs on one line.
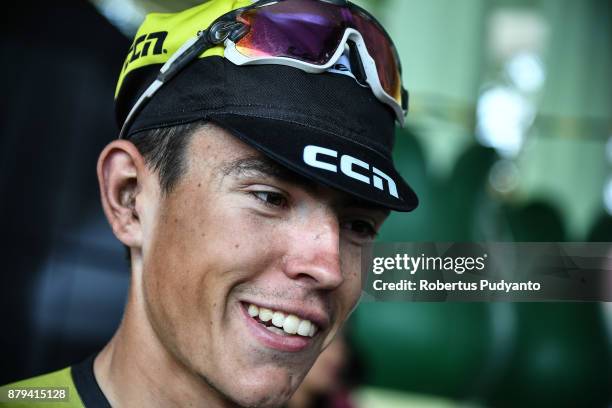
{"points": [[273, 340]]}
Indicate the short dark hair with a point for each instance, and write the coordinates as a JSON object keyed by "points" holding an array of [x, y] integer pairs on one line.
{"points": [[164, 151]]}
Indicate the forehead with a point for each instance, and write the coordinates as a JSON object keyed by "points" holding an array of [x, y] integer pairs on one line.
{"points": [[227, 157]]}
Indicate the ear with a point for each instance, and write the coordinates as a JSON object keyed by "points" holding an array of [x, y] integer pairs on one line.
{"points": [[121, 172]]}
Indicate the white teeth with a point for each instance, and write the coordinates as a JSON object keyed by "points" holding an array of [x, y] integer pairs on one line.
{"points": [[253, 310], [285, 324], [278, 319], [291, 324], [265, 315], [276, 330], [304, 328]]}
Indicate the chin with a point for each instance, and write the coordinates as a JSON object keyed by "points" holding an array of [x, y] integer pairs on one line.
{"points": [[272, 388]]}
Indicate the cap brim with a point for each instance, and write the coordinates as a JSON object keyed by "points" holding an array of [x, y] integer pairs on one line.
{"points": [[284, 142]]}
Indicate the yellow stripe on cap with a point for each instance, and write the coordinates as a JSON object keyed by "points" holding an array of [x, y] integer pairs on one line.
{"points": [[161, 34]]}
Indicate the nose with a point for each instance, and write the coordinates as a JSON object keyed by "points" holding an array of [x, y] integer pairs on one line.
{"points": [[314, 255]]}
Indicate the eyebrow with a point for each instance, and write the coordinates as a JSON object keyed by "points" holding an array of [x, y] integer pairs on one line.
{"points": [[261, 166], [255, 166]]}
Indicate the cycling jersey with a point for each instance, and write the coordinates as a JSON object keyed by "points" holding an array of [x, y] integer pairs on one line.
{"points": [[79, 380]]}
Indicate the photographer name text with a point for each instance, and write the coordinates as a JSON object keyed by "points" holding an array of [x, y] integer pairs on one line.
{"points": [[458, 265]]}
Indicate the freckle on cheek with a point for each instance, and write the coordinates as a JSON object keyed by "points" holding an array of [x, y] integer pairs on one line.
{"points": [[237, 246]]}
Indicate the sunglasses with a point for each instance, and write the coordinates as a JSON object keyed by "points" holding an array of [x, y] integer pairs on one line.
{"points": [[311, 35]]}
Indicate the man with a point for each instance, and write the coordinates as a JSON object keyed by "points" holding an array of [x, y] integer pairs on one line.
{"points": [[253, 165]]}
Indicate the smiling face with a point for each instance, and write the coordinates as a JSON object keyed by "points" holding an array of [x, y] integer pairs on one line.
{"points": [[249, 269]]}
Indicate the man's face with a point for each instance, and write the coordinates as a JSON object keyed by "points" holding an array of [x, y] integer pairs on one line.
{"points": [[238, 233]]}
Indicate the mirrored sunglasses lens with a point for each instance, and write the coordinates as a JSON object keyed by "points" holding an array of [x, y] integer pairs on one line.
{"points": [[299, 29], [311, 31]]}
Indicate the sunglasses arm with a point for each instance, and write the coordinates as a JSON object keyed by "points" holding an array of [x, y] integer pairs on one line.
{"points": [[187, 53]]}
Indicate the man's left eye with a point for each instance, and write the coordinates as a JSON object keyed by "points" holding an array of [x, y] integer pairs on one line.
{"points": [[363, 229], [271, 198]]}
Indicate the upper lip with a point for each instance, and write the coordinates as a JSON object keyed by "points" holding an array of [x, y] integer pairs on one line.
{"points": [[315, 315]]}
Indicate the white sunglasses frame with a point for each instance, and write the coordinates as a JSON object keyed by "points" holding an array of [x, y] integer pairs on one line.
{"points": [[234, 56], [231, 53]]}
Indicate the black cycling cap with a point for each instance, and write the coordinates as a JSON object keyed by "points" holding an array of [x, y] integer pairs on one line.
{"points": [[323, 126]]}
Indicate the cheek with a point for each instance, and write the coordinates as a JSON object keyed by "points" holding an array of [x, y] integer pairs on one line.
{"points": [[350, 291], [182, 281], [197, 256], [172, 279]]}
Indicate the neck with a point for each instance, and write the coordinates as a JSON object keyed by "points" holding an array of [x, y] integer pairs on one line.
{"points": [[136, 369]]}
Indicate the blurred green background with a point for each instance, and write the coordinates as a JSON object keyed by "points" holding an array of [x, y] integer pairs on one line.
{"points": [[509, 138]]}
